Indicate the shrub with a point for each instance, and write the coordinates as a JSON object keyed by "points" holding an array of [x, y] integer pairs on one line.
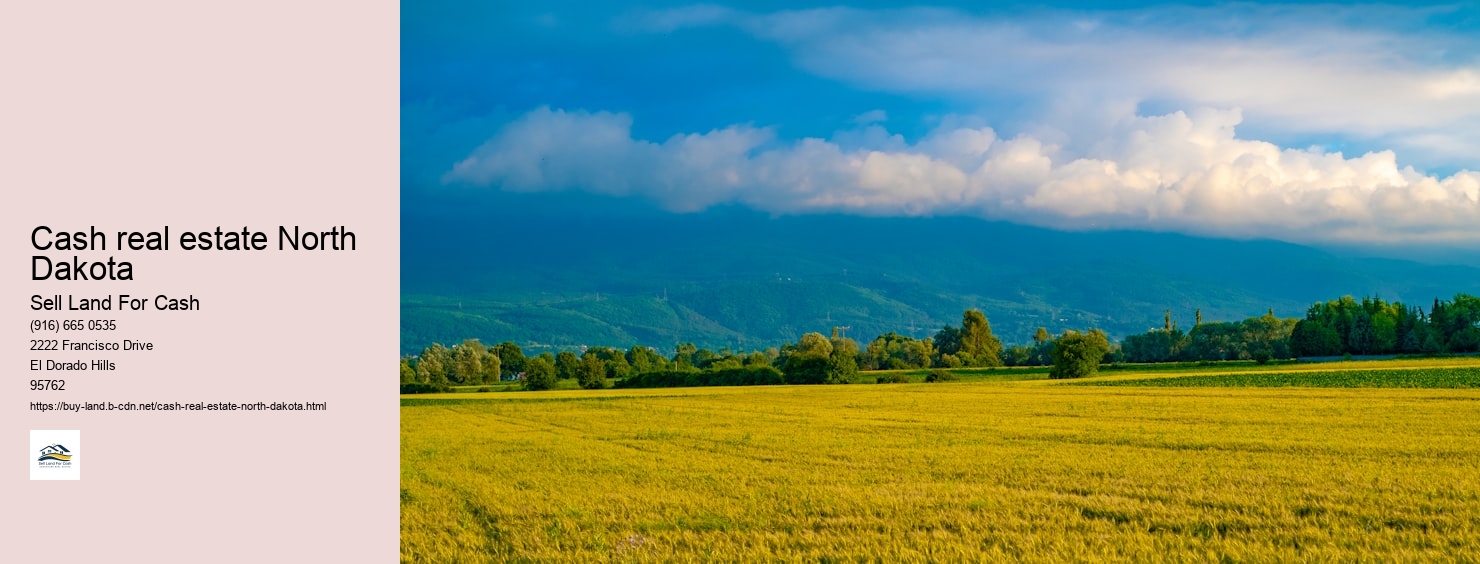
{"points": [[895, 378], [760, 375], [806, 369], [419, 388], [1076, 355], [539, 374], [939, 375], [842, 367], [591, 372], [1465, 340]]}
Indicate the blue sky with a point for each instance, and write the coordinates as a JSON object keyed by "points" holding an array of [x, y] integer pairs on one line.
{"points": [[1323, 124]]}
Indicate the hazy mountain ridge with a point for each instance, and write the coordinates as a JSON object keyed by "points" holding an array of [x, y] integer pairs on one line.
{"points": [[745, 280]]}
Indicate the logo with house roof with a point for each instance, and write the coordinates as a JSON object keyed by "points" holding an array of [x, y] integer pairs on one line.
{"points": [[56, 453], [59, 458]]}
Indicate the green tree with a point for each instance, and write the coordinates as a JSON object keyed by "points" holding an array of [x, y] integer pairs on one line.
{"points": [[492, 367], [919, 352], [807, 361], [842, 362], [467, 362], [408, 374], [815, 344], [1020, 355], [725, 362], [591, 373], [1217, 341], [977, 340], [1362, 338], [1076, 355], [703, 358], [1156, 345], [757, 358], [1411, 342], [1266, 336], [431, 366], [511, 357], [683, 357], [805, 369], [1041, 336], [1431, 344], [565, 365], [1311, 338], [643, 359], [613, 360], [892, 351], [539, 374], [947, 341], [1464, 313], [1465, 340], [1384, 332]]}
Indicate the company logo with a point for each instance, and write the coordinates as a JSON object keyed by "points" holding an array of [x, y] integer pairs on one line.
{"points": [[56, 453]]}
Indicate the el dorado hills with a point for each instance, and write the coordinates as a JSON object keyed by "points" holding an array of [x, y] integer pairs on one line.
{"points": [[44, 238]]}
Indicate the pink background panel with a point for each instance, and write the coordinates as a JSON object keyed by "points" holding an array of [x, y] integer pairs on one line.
{"points": [[137, 115]]}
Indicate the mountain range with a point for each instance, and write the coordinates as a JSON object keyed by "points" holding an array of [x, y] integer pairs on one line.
{"points": [[744, 280]]}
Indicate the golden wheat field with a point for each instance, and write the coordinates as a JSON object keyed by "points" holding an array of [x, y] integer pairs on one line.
{"points": [[962, 471]]}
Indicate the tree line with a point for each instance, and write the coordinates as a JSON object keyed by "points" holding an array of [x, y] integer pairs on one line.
{"points": [[1342, 326], [1257, 338], [812, 359], [1374, 326]]}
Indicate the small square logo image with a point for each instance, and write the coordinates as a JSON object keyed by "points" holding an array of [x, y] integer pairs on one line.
{"points": [[56, 455]]}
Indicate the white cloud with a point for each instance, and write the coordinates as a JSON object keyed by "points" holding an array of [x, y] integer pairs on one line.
{"points": [[1182, 172], [1302, 70], [557, 150]]}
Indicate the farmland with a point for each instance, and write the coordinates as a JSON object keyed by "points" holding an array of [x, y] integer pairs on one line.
{"points": [[1368, 378], [991, 467]]}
